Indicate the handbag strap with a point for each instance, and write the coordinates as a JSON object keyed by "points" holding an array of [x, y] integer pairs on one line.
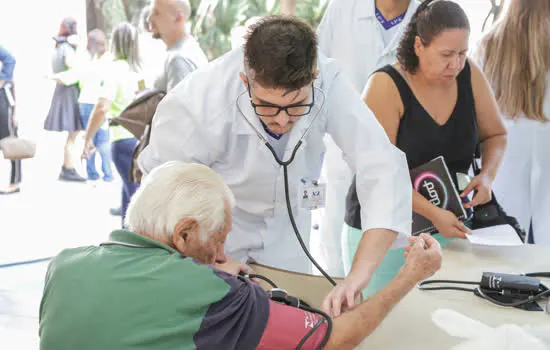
{"points": [[475, 165]]}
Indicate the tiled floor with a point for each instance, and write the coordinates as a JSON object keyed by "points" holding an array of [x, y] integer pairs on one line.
{"points": [[47, 216]]}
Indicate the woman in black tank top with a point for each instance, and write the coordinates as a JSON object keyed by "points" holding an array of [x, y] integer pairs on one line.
{"points": [[435, 102]]}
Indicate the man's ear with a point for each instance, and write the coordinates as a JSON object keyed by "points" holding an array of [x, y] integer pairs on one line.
{"points": [[179, 17], [185, 232], [244, 79], [316, 74]]}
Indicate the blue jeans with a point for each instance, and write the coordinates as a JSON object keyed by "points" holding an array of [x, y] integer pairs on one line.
{"points": [[122, 151], [102, 144]]}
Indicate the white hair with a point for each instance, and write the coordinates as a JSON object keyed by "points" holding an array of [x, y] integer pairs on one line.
{"points": [[177, 190]]}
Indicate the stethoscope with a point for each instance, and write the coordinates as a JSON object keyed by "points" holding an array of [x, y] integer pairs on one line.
{"points": [[285, 165]]}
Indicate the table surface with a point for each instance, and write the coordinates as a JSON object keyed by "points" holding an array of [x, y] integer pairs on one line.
{"points": [[409, 325]]}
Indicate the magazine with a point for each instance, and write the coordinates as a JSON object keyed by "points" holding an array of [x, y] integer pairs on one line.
{"points": [[433, 181]]}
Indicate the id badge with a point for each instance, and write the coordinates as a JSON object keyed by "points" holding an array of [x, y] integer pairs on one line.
{"points": [[312, 195]]}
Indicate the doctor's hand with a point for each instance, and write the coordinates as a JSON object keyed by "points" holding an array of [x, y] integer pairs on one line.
{"points": [[342, 297], [448, 225], [423, 258], [481, 185], [234, 267]]}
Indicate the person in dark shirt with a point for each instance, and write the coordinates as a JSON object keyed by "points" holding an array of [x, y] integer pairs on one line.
{"points": [[166, 283], [435, 102], [8, 124]]}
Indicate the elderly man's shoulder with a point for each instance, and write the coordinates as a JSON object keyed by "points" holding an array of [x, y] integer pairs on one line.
{"points": [[72, 258]]}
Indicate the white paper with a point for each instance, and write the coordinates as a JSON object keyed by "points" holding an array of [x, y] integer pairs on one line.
{"points": [[501, 235], [480, 336]]}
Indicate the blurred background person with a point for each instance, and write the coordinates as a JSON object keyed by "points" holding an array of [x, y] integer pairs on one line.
{"points": [[515, 57], [8, 124], [435, 102], [94, 65], [152, 51], [120, 85], [363, 36], [169, 22], [64, 114]]}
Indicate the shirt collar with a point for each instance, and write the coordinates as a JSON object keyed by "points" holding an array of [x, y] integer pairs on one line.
{"points": [[178, 44], [367, 9], [128, 237]]}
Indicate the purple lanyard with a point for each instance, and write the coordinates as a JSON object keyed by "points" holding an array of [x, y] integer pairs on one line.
{"points": [[270, 133], [391, 23]]}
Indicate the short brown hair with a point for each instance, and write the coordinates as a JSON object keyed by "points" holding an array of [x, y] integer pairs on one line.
{"points": [[281, 52]]}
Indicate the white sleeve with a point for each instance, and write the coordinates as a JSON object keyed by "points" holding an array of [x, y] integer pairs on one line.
{"points": [[325, 30], [383, 182], [176, 134]]}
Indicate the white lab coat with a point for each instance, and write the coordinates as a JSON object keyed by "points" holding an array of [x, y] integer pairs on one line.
{"points": [[198, 121], [350, 33], [522, 184]]}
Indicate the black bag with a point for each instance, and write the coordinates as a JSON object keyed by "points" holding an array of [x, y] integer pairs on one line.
{"points": [[492, 213]]}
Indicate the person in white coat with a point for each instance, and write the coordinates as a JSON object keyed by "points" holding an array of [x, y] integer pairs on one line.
{"points": [[270, 93], [515, 57], [362, 35]]}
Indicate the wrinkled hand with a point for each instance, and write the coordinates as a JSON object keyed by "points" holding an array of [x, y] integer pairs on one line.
{"points": [[448, 225], [481, 185], [89, 149], [342, 297], [234, 267], [423, 257]]}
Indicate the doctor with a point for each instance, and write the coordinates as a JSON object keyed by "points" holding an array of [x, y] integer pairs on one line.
{"points": [[277, 86], [362, 35]]}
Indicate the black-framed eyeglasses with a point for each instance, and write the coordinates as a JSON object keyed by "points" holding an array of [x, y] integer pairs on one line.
{"points": [[292, 110]]}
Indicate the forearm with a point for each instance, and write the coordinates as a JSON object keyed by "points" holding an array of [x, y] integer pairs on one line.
{"points": [[371, 250], [96, 120], [423, 207], [492, 151], [352, 327]]}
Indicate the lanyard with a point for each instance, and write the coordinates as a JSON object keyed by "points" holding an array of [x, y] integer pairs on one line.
{"points": [[391, 23]]}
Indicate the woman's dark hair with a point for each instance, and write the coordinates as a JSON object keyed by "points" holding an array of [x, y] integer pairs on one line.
{"points": [[281, 52], [429, 20]]}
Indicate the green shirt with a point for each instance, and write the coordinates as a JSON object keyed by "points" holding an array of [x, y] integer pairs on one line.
{"points": [[120, 85], [143, 296]]}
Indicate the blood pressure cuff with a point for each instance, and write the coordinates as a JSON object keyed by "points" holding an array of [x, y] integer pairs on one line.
{"points": [[287, 326]]}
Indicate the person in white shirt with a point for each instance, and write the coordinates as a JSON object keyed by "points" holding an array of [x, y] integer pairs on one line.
{"points": [[515, 57], [94, 64], [362, 35], [278, 92], [169, 20]]}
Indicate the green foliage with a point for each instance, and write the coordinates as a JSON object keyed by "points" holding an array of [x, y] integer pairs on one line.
{"points": [[214, 19], [312, 11], [113, 11]]}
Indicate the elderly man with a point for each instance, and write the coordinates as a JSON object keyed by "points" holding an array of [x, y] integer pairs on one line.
{"points": [[155, 287]]}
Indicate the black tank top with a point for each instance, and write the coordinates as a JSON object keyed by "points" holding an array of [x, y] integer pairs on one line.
{"points": [[422, 139]]}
